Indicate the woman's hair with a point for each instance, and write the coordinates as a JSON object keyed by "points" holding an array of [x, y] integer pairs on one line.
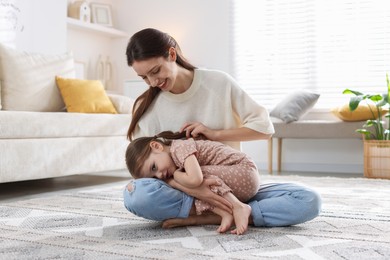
{"points": [[143, 45], [139, 150]]}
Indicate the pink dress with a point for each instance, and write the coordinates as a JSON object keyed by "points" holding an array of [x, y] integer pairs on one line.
{"points": [[236, 170]]}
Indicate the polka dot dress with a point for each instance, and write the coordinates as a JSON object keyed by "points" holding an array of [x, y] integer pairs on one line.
{"points": [[234, 168]]}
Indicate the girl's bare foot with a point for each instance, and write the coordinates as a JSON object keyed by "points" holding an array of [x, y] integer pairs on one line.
{"points": [[226, 223], [241, 217]]}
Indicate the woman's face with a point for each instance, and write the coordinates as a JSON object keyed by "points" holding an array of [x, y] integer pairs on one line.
{"points": [[158, 72], [159, 163]]}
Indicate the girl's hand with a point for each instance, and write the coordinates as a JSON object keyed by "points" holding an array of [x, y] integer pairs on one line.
{"points": [[196, 129], [204, 193]]}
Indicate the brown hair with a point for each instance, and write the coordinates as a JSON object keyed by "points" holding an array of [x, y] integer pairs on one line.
{"points": [[143, 45], [139, 149]]}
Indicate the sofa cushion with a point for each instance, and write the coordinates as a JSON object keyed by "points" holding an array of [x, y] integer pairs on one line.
{"points": [[294, 105], [361, 113], [84, 96], [28, 79], [22, 124], [122, 104]]}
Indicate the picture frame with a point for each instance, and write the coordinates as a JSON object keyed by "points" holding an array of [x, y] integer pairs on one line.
{"points": [[101, 14]]}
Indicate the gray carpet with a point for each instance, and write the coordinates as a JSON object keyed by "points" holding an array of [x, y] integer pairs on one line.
{"points": [[93, 224]]}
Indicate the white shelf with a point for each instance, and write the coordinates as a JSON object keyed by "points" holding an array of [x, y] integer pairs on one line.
{"points": [[95, 28]]}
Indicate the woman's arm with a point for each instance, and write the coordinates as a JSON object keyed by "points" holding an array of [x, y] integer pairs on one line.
{"points": [[192, 177], [204, 193], [252, 120], [195, 129]]}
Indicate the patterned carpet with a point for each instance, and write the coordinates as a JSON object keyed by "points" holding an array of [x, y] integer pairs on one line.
{"points": [[93, 224]]}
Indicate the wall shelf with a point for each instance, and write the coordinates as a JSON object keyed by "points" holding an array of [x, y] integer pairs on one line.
{"points": [[95, 28]]}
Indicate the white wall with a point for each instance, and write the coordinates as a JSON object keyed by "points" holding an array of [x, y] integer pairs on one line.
{"points": [[34, 26], [200, 27]]}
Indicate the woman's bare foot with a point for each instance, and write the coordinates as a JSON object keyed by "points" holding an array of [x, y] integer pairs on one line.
{"points": [[192, 220], [178, 222], [241, 215]]}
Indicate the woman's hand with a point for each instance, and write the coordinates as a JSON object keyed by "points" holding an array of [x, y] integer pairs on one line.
{"points": [[204, 193], [197, 129]]}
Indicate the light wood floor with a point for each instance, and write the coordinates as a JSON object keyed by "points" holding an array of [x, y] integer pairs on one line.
{"points": [[14, 191], [36, 188]]}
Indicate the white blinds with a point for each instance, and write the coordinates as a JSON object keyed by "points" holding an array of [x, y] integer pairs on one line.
{"points": [[8, 22], [325, 46]]}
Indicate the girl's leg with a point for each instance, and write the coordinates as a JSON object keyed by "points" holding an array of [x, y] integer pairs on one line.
{"points": [[241, 216], [241, 213], [226, 221], [284, 204], [242, 179]]}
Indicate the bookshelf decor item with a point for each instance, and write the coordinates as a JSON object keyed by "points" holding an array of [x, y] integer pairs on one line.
{"points": [[101, 14], [80, 10]]}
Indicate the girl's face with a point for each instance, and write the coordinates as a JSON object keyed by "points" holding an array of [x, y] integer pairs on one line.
{"points": [[159, 164], [158, 72]]}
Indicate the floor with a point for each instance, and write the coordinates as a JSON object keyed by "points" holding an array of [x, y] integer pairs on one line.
{"points": [[29, 189]]}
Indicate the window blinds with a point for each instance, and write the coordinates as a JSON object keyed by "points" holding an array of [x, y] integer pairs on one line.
{"points": [[324, 46]]}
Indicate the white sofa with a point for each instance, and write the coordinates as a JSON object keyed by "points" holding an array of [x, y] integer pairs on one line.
{"points": [[38, 138], [36, 145]]}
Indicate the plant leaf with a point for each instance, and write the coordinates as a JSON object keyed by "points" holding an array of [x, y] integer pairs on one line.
{"points": [[375, 98], [349, 91], [354, 102], [383, 101]]}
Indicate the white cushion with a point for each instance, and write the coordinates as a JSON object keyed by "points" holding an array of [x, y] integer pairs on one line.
{"points": [[28, 79], [122, 104], [24, 124]]}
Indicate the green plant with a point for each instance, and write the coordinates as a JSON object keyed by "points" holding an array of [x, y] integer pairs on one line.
{"points": [[373, 129]]}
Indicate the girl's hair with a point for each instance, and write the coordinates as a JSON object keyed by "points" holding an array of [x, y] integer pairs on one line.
{"points": [[143, 45], [139, 150]]}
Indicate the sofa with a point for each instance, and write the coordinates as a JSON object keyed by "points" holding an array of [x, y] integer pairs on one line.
{"points": [[42, 135]]}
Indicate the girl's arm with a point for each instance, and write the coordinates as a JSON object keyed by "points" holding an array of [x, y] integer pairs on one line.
{"points": [[192, 177], [204, 193]]}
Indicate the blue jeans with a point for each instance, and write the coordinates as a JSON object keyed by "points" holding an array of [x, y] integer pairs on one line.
{"points": [[276, 204]]}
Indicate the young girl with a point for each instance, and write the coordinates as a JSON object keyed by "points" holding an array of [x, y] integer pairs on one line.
{"points": [[188, 161]]}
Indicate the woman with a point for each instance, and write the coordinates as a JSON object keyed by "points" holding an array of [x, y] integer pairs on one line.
{"points": [[205, 103]]}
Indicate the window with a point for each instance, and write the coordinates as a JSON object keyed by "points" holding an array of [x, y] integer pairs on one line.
{"points": [[325, 46]]}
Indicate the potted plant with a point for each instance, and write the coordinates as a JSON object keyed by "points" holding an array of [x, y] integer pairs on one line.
{"points": [[375, 131]]}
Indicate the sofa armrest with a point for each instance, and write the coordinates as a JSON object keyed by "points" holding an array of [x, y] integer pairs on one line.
{"points": [[122, 104]]}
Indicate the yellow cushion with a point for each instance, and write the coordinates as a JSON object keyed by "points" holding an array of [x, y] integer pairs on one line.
{"points": [[361, 113], [84, 96]]}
